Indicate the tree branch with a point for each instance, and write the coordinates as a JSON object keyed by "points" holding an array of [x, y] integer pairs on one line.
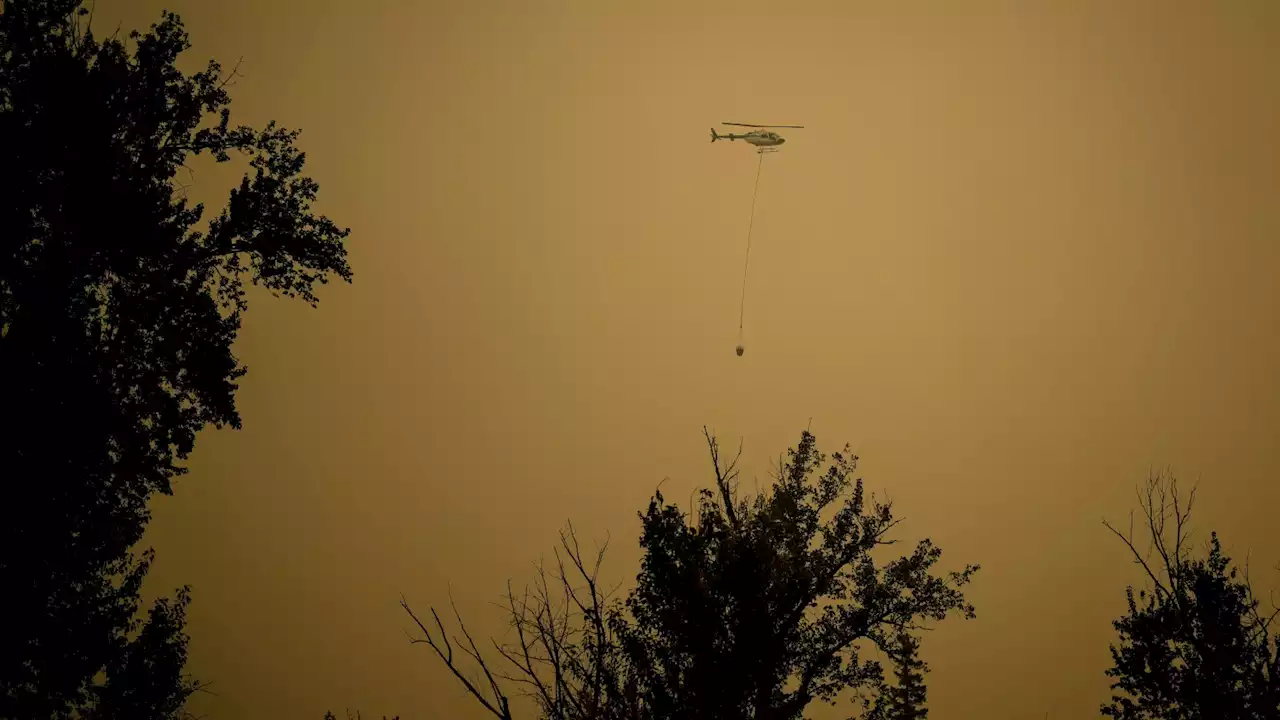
{"points": [[562, 649], [1160, 502], [501, 709], [724, 476]]}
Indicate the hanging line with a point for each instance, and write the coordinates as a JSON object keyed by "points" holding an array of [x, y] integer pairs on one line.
{"points": [[742, 306]]}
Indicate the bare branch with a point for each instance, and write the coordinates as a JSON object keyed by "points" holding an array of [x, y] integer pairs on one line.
{"points": [[1161, 505], [562, 647], [724, 476], [501, 709], [229, 80], [1139, 559]]}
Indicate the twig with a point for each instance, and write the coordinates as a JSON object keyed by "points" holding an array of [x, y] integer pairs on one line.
{"points": [[235, 73]]}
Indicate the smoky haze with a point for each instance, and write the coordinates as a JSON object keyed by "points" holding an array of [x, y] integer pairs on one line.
{"points": [[1019, 254]]}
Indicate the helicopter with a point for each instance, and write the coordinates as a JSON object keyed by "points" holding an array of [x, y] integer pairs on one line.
{"points": [[763, 138]]}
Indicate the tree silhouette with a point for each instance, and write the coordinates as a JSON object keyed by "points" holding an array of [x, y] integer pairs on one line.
{"points": [[904, 700], [118, 310], [757, 607], [147, 680], [749, 609], [565, 656], [1194, 644]]}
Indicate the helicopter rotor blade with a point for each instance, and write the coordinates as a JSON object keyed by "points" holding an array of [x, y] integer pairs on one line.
{"points": [[795, 127]]}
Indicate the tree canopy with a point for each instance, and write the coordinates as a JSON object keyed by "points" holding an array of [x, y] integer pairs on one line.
{"points": [[757, 607], [746, 608], [119, 305], [1195, 642]]}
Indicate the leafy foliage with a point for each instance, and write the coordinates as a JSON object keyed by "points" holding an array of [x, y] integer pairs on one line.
{"points": [[905, 699], [147, 679], [757, 608], [750, 609], [118, 310], [1194, 644]]}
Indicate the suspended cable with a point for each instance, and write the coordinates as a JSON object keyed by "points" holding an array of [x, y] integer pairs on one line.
{"points": [[742, 306]]}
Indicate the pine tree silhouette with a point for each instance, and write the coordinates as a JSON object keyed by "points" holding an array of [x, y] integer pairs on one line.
{"points": [[905, 700]]}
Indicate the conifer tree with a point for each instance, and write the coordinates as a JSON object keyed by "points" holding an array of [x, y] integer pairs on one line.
{"points": [[905, 700]]}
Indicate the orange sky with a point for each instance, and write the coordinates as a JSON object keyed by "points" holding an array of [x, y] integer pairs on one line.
{"points": [[1021, 252]]}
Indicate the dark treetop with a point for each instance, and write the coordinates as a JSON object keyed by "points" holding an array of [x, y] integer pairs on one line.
{"points": [[119, 305]]}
